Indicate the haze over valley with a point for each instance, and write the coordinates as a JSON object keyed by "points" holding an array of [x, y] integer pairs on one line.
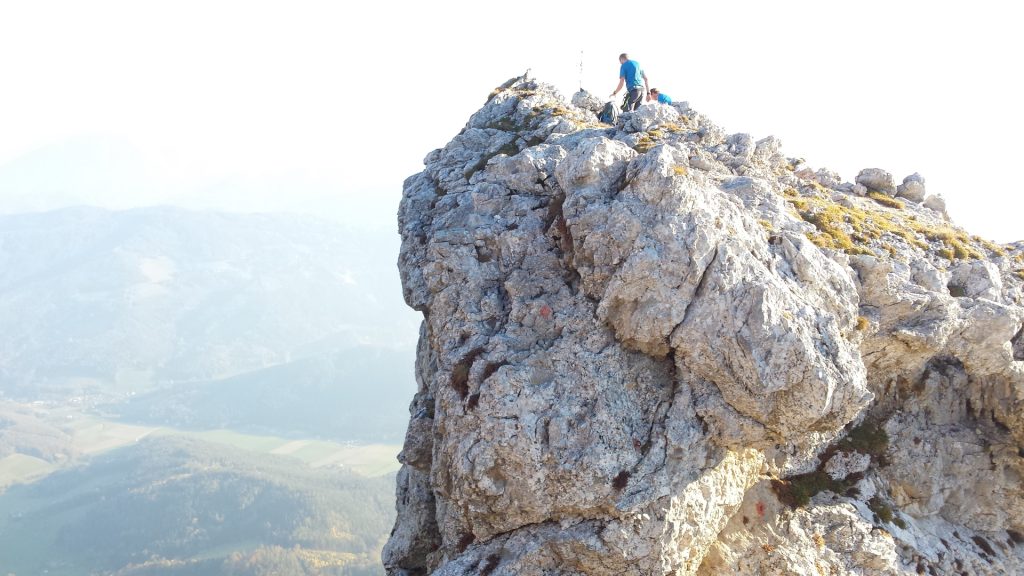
{"points": [[195, 392]]}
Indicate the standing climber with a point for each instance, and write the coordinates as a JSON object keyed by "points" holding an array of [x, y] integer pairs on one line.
{"points": [[630, 74], [654, 95]]}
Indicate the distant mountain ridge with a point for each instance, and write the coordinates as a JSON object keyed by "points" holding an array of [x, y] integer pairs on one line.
{"points": [[125, 301], [359, 394]]}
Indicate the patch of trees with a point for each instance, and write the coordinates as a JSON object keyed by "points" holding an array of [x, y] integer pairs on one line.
{"points": [[23, 432], [176, 506]]}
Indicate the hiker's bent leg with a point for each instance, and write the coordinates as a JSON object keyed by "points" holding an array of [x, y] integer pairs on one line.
{"points": [[636, 95]]}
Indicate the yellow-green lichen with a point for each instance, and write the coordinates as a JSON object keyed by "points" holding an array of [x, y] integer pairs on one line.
{"points": [[521, 92], [955, 241], [886, 200], [679, 170], [673, 127], [839, 227], [992, 247], [818, 187], [644, 143], [858, 230]]}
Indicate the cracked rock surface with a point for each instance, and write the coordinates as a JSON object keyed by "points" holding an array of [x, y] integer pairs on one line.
{"points": [[654, 348]]}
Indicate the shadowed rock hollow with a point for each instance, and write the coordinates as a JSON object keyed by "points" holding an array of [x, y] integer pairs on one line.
{"points": [[654, 348]]}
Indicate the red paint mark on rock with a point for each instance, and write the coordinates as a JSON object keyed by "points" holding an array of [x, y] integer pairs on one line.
{"points": [[545, 311], [760, 509]]}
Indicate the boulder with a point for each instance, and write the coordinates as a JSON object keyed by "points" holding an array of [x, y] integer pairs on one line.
{"points": [[912, 188], [936, 202], [648, 117], [878, 180], [587, 101]]}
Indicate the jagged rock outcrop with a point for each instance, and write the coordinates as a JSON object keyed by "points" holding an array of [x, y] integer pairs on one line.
{"points": [[655, 348]]}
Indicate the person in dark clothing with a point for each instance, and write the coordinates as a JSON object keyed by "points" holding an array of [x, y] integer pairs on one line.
{"points": [[634, 79]]}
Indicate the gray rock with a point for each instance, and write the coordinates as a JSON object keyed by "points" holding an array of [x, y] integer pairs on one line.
{"points": [[587, 101], [741, 149], [878, 180], [649, 116], [842, 464], [937, 203], [912, 188], [828, 538], [975, 279], [768, 151], [828, 178], [804, 172]]}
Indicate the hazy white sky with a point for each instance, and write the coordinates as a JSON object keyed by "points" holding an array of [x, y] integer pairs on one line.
{"points": [[327, 106]]}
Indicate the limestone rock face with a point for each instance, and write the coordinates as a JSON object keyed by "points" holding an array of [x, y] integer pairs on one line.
{"points": [[654, 348]]}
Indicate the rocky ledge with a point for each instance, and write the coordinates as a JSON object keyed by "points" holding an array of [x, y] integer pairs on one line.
{"points": [[654, 348]]}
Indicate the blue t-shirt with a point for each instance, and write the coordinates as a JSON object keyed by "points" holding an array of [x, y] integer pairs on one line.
{"points": [[630, 70], [664, 99]]}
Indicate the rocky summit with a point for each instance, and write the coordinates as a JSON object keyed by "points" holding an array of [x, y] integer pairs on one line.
{"points": [[656, 348]]}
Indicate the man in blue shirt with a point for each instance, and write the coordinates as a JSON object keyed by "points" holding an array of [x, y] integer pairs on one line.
{"points": [[630, 74], [658, 97]]}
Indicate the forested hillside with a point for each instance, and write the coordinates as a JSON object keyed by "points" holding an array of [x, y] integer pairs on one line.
{"points": [[177, 506]]}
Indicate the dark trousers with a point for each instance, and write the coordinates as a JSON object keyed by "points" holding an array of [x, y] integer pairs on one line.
{"points": [[634, 98]]}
